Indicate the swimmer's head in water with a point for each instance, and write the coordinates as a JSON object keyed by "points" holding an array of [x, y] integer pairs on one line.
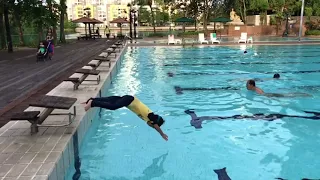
{"points": [[276, 76], [251, 84], [156, 119], [245, 51]]}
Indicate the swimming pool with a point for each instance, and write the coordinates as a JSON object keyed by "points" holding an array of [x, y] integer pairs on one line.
{"points": [[121, 146], [225, 39]]}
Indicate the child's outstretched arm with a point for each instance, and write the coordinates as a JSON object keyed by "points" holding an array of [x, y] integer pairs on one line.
{"points": [[164, 136], [158, 129]]}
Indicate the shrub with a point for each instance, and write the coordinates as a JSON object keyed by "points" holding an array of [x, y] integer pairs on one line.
{"points": [[311, 25], [273, 20], [189, 33], [69, 31], [313, 32], [157, 34]]}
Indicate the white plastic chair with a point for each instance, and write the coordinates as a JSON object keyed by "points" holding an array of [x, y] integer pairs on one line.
{"points": [[171, 40], [213, 38], [202, 39], [243, 38], [250, 40]]}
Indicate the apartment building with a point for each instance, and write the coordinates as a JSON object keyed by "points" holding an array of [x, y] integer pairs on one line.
{"points": [[97, 8]]}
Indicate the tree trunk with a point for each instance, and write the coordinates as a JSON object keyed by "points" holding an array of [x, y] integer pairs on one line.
{"points": [[205, 14], [18, 21], [241, 13], [7, 25], [63, 12], [40, 34], [266, 17], [244, 12], [195, 24], [153, 19], [2, 37], [277, 26], [54, 34]]}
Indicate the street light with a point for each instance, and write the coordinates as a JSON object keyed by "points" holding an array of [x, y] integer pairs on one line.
{"points": [[183, 7], [301, 19], [130, 20], [87, 13], [135, 20]]}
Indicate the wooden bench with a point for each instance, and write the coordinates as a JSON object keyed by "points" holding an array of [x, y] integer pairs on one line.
{"points": [[86, 72], [83, 36], [95, 35], [110, 51], [49, 103], [26, 115], [119, 44], [115, 47], [100, 59]]}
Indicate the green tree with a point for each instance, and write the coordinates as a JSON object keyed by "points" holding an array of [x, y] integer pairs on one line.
{"points": [[277, 7], [308, 12], [260, 6], [19, 9], [144, 16], [150, 4], [193, 10], [161, 17]]}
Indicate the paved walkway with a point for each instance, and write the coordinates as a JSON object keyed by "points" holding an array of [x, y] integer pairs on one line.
{"points": [[22, 78]]}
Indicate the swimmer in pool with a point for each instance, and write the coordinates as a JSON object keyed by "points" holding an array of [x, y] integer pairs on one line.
{"points": [[275, 77], [251, 85], [133, 104]]}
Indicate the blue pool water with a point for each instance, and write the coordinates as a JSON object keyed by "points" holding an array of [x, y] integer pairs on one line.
{"points": [[120, 146], [235, 39]]}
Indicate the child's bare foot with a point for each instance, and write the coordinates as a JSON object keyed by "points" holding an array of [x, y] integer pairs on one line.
{"points": [[88, 105]]}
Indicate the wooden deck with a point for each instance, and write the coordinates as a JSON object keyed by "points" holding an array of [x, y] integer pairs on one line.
{"points": [[23, 79]]}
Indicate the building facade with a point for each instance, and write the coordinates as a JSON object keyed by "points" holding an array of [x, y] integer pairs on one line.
{"points": [[103, 10], [97, 8]]}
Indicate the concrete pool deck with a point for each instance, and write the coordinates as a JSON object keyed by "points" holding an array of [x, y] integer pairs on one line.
{"points": [[50, 153]]}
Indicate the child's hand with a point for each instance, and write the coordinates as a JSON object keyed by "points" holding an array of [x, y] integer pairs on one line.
{"points": [[165, 137]]}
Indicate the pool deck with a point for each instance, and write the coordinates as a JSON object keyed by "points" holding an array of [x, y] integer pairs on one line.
{"points": [[52, 151], [230, 43]]}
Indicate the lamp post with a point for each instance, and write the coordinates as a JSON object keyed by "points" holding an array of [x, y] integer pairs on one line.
{"points": [[88, 15], [135, 21], [184, 15], [130, 20], [301, 19], [285, 33]]}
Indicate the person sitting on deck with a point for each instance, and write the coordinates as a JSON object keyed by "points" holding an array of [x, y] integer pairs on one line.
{"points": [[41, 49], [132, 103]]}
